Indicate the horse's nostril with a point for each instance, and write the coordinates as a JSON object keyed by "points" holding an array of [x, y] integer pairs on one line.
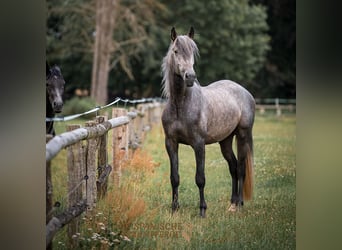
{"points": [[189, 76], [57, 106]]}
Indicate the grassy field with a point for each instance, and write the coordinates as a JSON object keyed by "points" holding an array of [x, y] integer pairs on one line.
{"points": [[138, 214]]}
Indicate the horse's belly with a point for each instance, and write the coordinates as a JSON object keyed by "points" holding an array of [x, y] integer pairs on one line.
{"points": [[217, 136], [220, 128]]}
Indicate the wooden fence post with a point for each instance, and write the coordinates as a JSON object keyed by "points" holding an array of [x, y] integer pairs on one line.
{"points": [[277, 107], [91, 169], [120, 145], [143, 110], [103, 168], [139, 123], [149, 109], [76, 172], [133, 140], [147, 117], [262, 110], [156, 113]]}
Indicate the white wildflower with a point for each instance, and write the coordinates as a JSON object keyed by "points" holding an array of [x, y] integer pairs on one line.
{"points": [[126, 238]]}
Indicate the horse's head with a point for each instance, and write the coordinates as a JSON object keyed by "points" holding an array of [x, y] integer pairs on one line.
{"points": [[55, 87], [184, 50]]}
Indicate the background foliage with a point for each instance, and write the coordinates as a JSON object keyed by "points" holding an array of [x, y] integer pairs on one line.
{"points": [[251, 42]]}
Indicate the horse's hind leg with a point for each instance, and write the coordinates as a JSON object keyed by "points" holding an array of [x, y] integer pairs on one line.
{"points": [[244, 164], [228, 154]]}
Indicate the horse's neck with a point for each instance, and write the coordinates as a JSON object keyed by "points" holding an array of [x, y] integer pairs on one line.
{"points": [[177, 90], [183, 98]]}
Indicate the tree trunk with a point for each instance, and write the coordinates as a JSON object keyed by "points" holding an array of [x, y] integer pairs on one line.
{"points": [[102, 49]]}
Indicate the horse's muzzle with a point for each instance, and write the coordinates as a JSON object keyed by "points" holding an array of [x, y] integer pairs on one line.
{"points": [[190, 79], [57, 107]]}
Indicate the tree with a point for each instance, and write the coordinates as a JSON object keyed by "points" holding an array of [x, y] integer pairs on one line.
{"points": [[105, 20], [277, 78], [119, 35], [231, 36], [69, 40]]}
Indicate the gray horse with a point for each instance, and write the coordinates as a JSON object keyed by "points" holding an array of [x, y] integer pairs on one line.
{"points": [[196, 116]]}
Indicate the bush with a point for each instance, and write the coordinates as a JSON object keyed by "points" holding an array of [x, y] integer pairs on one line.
{"points": [[77, 105]]}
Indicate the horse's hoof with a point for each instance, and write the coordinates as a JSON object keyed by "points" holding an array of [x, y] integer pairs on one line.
{"points": [[232, 208], [202, 213], [175, 208]]}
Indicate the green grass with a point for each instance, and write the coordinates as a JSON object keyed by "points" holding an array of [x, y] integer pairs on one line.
{"points": [[266, 222]]}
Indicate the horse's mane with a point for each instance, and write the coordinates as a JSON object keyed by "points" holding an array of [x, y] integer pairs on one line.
{"points": [[185, 46]]}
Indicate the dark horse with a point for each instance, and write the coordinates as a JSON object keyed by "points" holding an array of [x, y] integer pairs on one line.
{"points": [[196, 116], [54, 92]]}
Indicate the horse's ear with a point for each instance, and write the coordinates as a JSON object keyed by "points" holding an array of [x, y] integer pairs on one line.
{"points": [[191, 32], [173, 34]]}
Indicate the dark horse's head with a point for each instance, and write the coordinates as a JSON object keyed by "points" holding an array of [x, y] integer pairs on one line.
{"points": [[54, 88], [182, 52]]}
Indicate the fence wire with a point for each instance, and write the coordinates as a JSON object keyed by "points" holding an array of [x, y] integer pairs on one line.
{"points": [[117, 100], [64, 199]]}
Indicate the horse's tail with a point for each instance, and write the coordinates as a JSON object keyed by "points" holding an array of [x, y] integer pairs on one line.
{"points": [[249, 170]]}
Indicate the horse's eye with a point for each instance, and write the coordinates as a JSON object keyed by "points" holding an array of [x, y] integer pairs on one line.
{"points": [[176, 51]]}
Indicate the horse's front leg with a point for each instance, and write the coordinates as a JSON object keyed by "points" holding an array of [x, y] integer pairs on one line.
{"points": [[172, 150], [199, 149]]}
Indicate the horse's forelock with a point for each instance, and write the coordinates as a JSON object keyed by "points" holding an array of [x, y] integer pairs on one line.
{"points": [[55, 71], [186, 45]]}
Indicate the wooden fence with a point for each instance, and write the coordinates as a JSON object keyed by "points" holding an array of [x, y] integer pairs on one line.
{"points": [[275, 104], [87, 160]]}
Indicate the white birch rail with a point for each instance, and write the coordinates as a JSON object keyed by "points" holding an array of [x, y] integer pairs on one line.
{"points": [[68, 138]]}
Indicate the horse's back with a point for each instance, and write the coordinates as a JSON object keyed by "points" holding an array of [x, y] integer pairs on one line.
{"points": [[230, 101], [230, 90]]}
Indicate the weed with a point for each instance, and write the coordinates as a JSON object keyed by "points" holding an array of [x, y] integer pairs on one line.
{"points": [[140, 164]]}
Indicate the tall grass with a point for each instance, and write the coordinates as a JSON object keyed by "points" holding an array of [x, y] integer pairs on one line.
{"points": [[139, 213]]}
